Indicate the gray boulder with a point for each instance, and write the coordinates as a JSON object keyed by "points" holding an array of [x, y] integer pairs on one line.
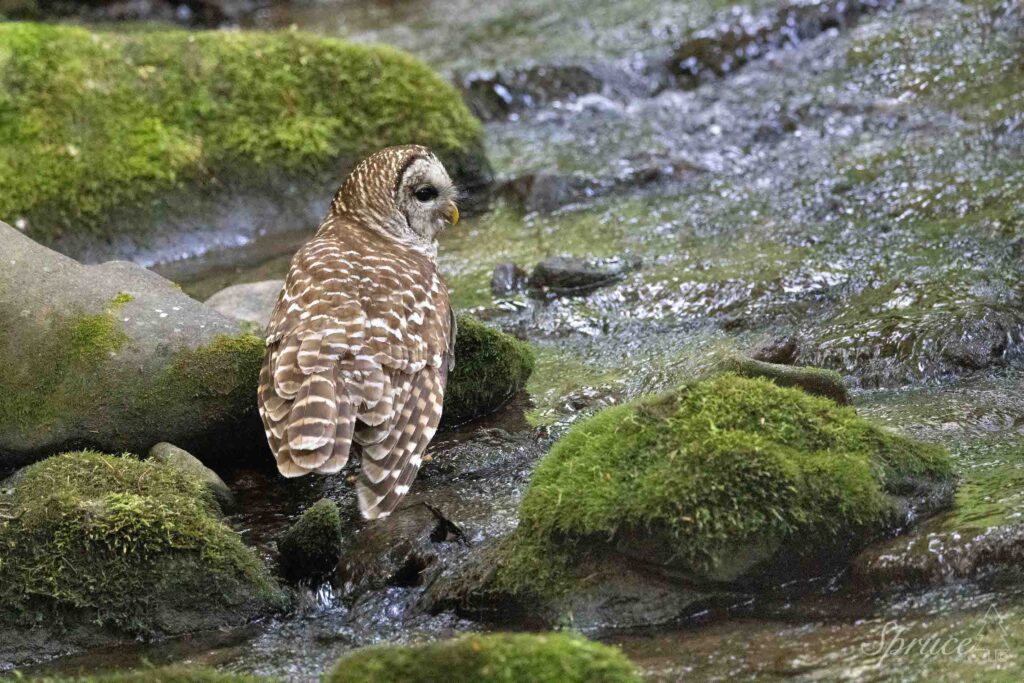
{"points": [[116, 358], [251, 302]]}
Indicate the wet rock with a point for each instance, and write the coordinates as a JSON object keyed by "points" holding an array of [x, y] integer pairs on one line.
{"points": [[817, 381], [781, 351], [728, 485], [742, 37], [508, 278], [559, 657], [101, 549], [115, 357], [546, 192], [941, 557], [496, 94], [571, 275], [250, 302], [172, 456], [399, 550], [309, 549]]}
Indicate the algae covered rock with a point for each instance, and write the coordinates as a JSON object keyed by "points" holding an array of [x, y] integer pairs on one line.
{"points": [[115, 357], [726, 484], [310, 548], [490, 366], [98, 548], [106, 134], [542, 658]]}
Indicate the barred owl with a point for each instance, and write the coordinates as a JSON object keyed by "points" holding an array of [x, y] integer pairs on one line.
{"points": [[361, 340]]}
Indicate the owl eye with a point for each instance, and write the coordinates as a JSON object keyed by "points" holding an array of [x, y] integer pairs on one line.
{"points": [[426, 193]]}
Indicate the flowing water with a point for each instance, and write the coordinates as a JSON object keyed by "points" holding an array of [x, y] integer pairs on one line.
{"points": [[844, 176]]}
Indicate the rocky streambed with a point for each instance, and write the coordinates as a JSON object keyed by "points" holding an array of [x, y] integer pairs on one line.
{"points": [[811, 184]]}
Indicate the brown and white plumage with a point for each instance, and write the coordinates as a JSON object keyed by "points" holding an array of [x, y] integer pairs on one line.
{"points": [[359, 345]]}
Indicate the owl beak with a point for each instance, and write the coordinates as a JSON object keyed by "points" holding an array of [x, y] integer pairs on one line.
{"points": [[453, 213]]}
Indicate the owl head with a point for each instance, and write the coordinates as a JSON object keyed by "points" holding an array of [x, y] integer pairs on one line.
{"points": [[403, 191]]}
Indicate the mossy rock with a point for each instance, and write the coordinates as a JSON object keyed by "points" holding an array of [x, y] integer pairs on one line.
{"points": [[99, 548], [116, 358], [729, 480], [310, 548], [541, 658], [490, 367], [107, 133], [165, 674]]}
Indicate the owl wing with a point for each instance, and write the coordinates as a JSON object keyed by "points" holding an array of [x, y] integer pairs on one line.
{"points": [[358, 350]]}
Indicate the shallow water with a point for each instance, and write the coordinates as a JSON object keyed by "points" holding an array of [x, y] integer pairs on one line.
{"points": [[860, 192]]}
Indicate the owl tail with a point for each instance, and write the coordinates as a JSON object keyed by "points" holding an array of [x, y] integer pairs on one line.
{"points": [[311, 427]]}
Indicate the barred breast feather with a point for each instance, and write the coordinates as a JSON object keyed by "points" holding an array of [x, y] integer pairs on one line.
{"points": [[358, 351]]}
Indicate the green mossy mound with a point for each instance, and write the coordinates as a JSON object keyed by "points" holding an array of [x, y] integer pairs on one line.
{"points": [[310, 548], [490, 366], [717, 478], [91, 121], [167, 674], [130, 547], [541, 658]]}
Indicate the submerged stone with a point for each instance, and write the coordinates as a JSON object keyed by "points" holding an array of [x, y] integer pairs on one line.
{"points": [[99, 549], [543, 658], [508, 278], [571, 275]]}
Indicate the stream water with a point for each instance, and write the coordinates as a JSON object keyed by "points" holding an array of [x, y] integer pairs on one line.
{"points": [[845, 176]]}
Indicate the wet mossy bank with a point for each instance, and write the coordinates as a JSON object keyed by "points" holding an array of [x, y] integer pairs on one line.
{"points": [[726, 485], [105, 136], [99, 549]]}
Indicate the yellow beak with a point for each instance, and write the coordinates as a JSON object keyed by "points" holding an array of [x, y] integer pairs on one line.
{"points": [[453, 215]]}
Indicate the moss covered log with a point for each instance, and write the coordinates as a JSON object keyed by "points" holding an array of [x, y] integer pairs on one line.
{"points": [[490, 366], [541, 658], [714, 479], [115, 544], [92, 121]]}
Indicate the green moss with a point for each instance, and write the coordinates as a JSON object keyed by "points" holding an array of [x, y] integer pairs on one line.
{"points": [[718, 465], [122, 298], [121, 543], [166, 674], [310, 548], [542, 658], [91, 121], [490, 366], [221, 375]]}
